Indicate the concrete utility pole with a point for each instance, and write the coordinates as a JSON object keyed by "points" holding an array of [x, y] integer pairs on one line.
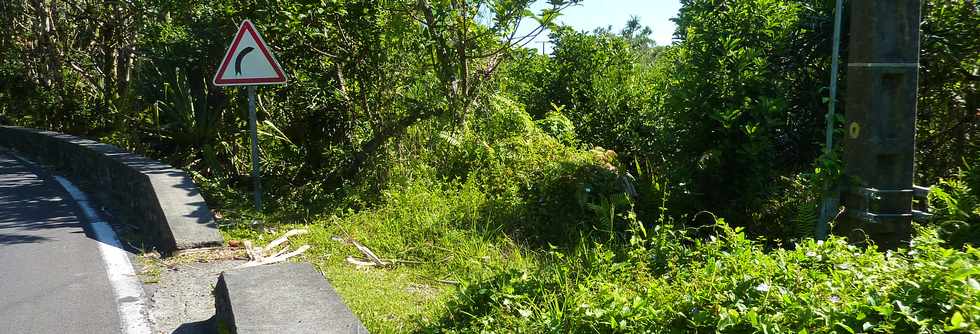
{"points": [[879, 144]]}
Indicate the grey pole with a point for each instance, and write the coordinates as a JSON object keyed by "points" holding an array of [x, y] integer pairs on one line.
{"points": [[879, 148], [831, 200], [255, 148]]}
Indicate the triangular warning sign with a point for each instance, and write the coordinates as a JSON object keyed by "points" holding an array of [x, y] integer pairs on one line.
{"points": [[249, 61]]}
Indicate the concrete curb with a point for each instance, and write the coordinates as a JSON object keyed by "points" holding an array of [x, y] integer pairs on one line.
{"points": [[280, 298], [163, 200]]}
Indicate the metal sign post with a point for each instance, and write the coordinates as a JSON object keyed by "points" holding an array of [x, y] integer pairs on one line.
{"points": [[256, 169], [243, 67]]}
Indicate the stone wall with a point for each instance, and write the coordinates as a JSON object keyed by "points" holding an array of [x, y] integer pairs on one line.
{"points": [[164, 202]]}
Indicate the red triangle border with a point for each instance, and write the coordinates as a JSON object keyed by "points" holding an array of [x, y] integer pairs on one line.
{"points": [[280, 77]]}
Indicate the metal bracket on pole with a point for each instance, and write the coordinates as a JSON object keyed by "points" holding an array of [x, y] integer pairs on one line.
{"points": [[920, 212]]}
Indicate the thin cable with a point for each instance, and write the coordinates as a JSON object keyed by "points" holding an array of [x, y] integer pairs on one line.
{"points": [[828, 201]]}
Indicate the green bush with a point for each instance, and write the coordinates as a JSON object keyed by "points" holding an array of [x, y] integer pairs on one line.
{"points": [[538, 189], [672, 281], [949, 96], [957, 207], [741, 113], [556, 124], [605, 90]]}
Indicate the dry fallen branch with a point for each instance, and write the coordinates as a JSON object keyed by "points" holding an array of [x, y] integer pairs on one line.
{"points": [[360, 262], [258, 257], [252, 253], [367, 252], [198, 250], [284, 238], [282, 251], [370, 258], [276, 259]]}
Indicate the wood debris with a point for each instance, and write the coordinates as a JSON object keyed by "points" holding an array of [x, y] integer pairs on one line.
{"points": [[370, 259], [360, 262], [284, 238], [276, 259], [368, 253], [264, 255]]}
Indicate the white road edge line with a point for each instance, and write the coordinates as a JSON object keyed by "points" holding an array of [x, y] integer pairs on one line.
{"points": [[125, 283]]}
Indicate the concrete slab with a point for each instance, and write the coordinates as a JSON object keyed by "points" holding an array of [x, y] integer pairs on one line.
{"points": [[281, 298]]}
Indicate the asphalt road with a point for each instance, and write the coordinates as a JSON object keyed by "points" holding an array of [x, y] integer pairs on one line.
{"points": [[52, 276]]}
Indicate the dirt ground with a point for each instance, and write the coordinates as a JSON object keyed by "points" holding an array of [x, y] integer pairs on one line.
{"points": [[179, 289]]}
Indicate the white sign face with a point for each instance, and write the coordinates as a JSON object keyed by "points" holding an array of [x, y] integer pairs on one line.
{"points": [[249, 61]]}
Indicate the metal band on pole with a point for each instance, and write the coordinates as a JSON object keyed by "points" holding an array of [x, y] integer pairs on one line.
{"points": [[885, 65], [255, 148]]}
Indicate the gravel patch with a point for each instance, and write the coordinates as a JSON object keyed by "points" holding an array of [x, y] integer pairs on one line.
{"points": [[180, 292]]}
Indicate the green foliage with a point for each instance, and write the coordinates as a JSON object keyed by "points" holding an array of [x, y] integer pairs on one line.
{"points": [[957, 207], [556, 124], [528, 78], [673, 281], [539, 190], [720, 114], [949, 88], [606, 92], [741, 111]]}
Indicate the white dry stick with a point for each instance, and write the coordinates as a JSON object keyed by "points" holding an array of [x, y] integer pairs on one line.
{"points": [[367, 252], [257, 256], [252, 253], [360, 263], [282, 251], [199, 250], [302, 249], [282, 239], [280, 258]]}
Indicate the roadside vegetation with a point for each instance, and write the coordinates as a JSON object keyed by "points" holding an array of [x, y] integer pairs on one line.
{"points": [[614, 185]]}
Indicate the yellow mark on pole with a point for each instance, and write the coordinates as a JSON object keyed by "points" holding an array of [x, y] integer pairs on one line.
{"points": [[855, 130]]}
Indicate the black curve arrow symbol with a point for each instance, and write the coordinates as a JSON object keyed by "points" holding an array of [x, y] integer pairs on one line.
{"points": [[241, 56]]}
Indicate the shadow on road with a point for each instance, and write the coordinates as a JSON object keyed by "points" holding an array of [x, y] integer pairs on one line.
{"points": [[33, 209], [13, 239], [200, 327]]}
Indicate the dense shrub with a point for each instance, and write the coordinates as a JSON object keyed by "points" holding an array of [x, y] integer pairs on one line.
{"points": [[674, 282], [557, 125], [745, 104], [956, 204], [605, 89], [538, 189], [733, 105], [947, 122]]}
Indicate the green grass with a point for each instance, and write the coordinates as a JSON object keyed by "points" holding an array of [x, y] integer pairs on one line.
{"points": [[727, 283], [430, 233]]}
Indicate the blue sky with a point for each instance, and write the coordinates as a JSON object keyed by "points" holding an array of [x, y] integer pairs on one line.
{"points": [[600, 13]]}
